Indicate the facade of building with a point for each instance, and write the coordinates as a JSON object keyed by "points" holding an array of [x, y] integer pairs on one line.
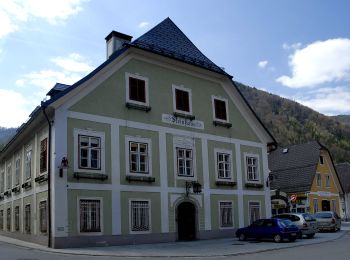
{"points": [[343, 170], [306, 173], [156, 144]]}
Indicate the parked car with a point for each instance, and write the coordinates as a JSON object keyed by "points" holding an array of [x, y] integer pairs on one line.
{"points": [[328, 221], [304, 221], [273, 228]]}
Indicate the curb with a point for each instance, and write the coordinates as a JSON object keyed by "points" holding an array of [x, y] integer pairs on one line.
{"points": [[111, 254]]}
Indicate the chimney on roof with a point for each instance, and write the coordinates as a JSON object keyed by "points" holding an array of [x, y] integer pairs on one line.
{"points": [[115, 41]]}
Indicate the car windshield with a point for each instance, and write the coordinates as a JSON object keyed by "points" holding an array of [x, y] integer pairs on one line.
{"points": [[323, 215], [308, 217], [285, 222]]}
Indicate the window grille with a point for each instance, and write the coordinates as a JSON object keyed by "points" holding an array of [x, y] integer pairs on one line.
{"points": [[43, 155], [27, 218], [184, 162], [17, 218], [224, 165], [90, 216], [140, 216], [43, 216], [8, 219], [138, 157]]}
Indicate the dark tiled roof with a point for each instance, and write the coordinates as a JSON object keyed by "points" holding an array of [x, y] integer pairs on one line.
{"points": [[168, 40], [293, 168], [343, 170]]}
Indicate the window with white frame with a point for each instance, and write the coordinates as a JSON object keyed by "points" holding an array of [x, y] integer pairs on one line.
{"points": [[138, 157], [43, 155], [328, 181], [223, 165], [27, 218], [226, 214], [318, 180], [139, 216], [315, 202], [90, 215], [17, 218], [17, 171], [252, 167], [28, 163], [184, 162], [136, 89], [89, 154], [8, 219], [220, 109], [182, 100], [254, 211], [9, 176], [43, 216], [1, 219]]}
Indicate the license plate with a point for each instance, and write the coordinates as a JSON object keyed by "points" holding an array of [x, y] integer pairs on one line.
{"points": [[293, 234]]}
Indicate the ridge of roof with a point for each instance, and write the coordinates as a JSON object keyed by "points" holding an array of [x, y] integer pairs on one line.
{"points": [[168, 40]]}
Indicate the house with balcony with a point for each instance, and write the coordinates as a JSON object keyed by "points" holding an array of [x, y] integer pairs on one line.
{"points": [[306, 174], [156, 144]]}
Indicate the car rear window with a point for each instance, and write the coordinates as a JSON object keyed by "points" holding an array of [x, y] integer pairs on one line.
{"points": [[285, 223], [323, 215]]}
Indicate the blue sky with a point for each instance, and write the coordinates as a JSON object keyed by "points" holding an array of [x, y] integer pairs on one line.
{"points": [[296, 49]]}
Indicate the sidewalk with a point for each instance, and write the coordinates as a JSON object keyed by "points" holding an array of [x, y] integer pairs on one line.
{"points": [[200, 248]]}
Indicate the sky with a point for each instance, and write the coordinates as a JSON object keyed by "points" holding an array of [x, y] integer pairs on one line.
{"points": [[297, 49]]}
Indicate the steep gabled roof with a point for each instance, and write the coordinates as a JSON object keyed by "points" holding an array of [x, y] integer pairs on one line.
{"points": [[168, 40], [293, 168], [343, 170]]}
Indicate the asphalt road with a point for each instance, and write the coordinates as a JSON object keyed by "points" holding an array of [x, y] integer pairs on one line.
{"points": [[338, 249]]}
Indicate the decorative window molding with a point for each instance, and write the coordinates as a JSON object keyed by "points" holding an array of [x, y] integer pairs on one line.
{"points": [[220, 111], [252, 168], [254, 208], [223, 165], [138, 156], [184, 158], [137, 92], [90, 215], [43, 160], [89, 152], [140, 216], [226, 214], [182, 102]]}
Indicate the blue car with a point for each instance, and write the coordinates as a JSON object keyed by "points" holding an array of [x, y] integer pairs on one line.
{"points": [[273, 228]]}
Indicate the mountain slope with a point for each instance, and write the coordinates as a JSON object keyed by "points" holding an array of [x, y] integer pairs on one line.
{"points": [[292, 123], [5, 135]]}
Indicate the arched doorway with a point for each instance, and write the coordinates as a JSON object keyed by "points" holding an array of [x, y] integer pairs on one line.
{"points": [[186, 221]]}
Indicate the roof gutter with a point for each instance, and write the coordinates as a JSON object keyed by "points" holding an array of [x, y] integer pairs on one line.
{"points": [[43, 108]]}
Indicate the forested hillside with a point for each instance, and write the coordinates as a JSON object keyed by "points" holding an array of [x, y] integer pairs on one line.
{"points": [[292, 123]]}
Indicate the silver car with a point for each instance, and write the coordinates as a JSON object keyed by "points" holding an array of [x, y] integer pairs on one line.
{"points": [[304, 221], [328, 220]]}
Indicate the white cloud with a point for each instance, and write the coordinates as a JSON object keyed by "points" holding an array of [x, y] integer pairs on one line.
{"points": [[329, 101], [143, 24], [15, 12], [16, 107], [74, 63], [71, 69], [292, 46], [263, 64], [320, 62]]}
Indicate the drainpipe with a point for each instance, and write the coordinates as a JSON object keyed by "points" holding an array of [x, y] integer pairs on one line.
{"points": [[43, 107]]}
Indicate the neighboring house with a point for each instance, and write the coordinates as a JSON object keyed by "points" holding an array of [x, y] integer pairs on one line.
{"points": [[306, 173], [156, 144], [343, 170]]}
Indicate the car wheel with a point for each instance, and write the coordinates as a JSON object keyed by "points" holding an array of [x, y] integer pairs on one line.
{"points": [[242, 237], [310, 235], [277, 238]]}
